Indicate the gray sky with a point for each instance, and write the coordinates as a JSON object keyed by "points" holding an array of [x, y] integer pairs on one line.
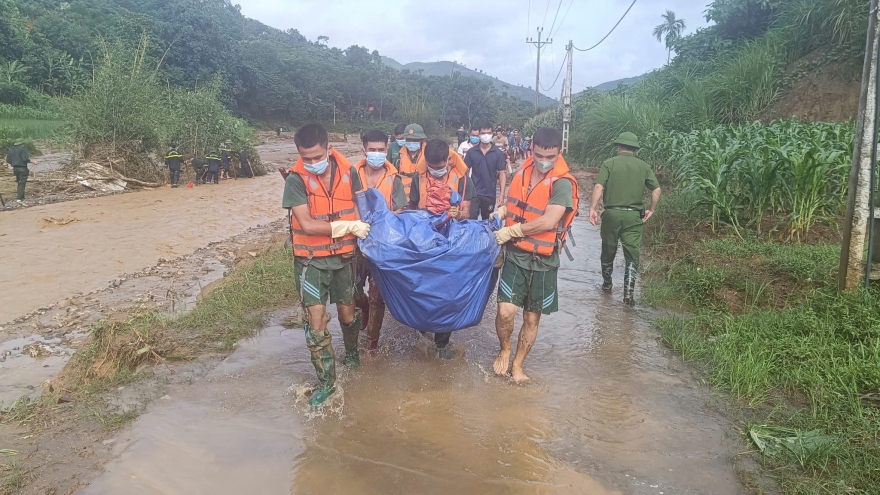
{"points": [[491, 35]]}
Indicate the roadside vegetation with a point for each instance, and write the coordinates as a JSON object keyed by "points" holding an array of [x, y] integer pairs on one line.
{"points": [[123, 348], [728, 73]]}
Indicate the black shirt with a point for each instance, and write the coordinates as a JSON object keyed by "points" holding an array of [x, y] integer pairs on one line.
{"points": [[244, 156]]}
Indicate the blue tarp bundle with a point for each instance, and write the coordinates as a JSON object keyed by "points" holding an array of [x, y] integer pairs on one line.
{"points": [[435, 274]]}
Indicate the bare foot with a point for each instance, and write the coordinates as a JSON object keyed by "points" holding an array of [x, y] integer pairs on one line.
{"points": [[518, 376], [502, 362]]}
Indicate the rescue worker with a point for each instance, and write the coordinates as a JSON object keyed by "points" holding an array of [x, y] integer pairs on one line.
{"points": [[319, 193], [395, 146], [431, 190], [621, 183], [172, 161], [17, 158], [541, 205], [213, 167], [245, 160], [225, 156], [414, 145], [375, 171], [198, 165]]}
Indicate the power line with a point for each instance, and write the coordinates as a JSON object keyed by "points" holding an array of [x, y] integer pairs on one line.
{"points": [[555, 16], [529, 18], [544, 21], [557, 75], [609, 32], [563, 19]]}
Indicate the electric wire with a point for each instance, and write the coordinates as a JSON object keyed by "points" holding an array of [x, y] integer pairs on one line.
{"points": [[609, 32], [564, 60], [555, 16], [563, 19], [544, 21]]}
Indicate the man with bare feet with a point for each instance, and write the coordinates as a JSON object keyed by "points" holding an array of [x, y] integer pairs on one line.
{"points": [[541, 204]]}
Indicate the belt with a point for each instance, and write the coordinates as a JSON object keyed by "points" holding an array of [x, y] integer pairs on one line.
{"points": [[624, 208]]}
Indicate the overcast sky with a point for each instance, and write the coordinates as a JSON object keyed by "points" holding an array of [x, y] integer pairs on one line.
{"points": [[491, 35]]}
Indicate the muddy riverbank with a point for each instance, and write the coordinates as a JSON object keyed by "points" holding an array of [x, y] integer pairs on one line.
{"points": [[610, 410]]}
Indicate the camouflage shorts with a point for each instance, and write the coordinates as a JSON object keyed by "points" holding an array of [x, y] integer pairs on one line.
{"points": [[318, 286]]}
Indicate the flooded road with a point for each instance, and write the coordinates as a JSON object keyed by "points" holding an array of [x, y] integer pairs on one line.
{"points": [[610, 411]]}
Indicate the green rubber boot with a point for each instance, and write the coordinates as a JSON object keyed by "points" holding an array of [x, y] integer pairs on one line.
{"points": [[319, 344], [350, 337], [629, 284]]}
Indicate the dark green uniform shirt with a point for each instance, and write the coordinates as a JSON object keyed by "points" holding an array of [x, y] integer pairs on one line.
{"points": [[625, 178], [465, 188], [18, 156], [295, 194], [393, 155], [559, 195]]}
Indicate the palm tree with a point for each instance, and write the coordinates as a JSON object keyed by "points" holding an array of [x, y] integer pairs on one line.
{"points": [[671, 28]]}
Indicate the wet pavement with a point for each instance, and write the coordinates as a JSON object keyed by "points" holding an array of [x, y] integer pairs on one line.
{"points": [[609, 410]]}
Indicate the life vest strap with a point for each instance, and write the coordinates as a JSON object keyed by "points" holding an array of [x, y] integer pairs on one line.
{"points": [[325, 247], [525, 206], [334, 216]]}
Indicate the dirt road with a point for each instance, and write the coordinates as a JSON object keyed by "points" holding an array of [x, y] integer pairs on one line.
{"points": [[610, 412], [52, 251]]}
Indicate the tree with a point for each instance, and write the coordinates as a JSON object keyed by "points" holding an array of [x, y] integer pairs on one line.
{"points": [[671, 28]]}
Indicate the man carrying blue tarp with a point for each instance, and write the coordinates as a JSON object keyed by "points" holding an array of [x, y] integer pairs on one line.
{"points": [[432, 190], [376, 172], [325, 225], [541, 204]]}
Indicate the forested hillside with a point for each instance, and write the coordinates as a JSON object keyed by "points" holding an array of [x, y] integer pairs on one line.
{"points": [[757, 61], [49, 48], [444, 67]]}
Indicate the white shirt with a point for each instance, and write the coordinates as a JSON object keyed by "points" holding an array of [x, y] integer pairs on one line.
{"points": [[464, 147]]}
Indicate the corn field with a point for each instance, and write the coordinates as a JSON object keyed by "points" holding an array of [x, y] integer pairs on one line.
{"points": [[786, 175]]}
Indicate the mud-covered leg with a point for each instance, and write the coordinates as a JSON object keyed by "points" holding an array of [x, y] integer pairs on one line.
{"points": [[504, 328], [377, 315]]}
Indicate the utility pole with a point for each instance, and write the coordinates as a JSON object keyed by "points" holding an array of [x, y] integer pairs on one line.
{"points": [[859, 208], [538, 44], [566, 97]]}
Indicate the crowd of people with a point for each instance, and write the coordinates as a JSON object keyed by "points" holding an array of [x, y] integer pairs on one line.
{"points": [[514, 146], [210, 169], [417, 173]]}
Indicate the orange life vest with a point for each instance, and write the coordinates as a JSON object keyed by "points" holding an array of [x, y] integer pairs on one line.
{"points": [[385, 184], [323, 206], [452, 180], [409, 170], [524, 206]]}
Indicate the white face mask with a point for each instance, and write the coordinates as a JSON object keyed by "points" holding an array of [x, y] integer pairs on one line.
{"points": [[545, 166], [438, 173], [485, 138]]}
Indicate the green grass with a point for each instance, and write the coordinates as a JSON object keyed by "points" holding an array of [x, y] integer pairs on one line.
{"points": [[13, 476], [809, 366], [808, 263], [234, 310]]}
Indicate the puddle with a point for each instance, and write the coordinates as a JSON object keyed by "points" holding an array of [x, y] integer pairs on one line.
{"points": [[22, 373], [609, 411]]}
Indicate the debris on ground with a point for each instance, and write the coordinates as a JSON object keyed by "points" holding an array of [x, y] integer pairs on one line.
{"points": [[802, 446]]}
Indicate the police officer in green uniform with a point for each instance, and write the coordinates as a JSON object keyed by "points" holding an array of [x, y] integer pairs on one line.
{"points": [[621, 185], [17, 159], [198, 165]]}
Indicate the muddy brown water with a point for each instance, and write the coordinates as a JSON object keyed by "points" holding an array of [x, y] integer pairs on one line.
{"points": [[610, 411]]}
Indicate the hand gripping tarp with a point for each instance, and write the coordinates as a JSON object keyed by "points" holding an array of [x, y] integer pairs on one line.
{"points": [[435, 274]]}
